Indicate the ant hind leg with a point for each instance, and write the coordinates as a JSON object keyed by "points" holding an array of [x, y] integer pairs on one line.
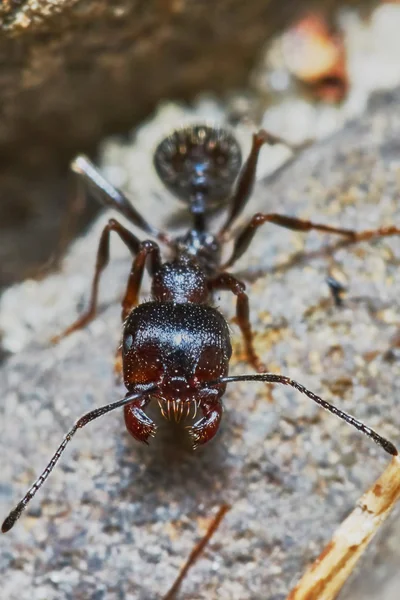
{"points": [[111, 197]]}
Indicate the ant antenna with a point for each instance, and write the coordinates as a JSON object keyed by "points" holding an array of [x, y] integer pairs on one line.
{"points": [[15, 514], [273, 378]]}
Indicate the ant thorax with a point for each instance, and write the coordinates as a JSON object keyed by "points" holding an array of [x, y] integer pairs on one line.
{"points": [[180, 281], [202, 247]]}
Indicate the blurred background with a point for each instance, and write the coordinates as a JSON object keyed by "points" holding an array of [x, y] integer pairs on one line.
{"points": [[109, 79], [75, 72]]}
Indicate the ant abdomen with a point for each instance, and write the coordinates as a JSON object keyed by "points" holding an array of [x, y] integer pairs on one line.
{"points": [[199, 160]]}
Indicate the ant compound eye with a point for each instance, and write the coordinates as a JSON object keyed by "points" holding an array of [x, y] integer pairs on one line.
{"points": [[198, 159], [127, 343]]}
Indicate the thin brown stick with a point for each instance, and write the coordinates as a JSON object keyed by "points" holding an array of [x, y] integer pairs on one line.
{"points": [[197, 550], [324, 579]]}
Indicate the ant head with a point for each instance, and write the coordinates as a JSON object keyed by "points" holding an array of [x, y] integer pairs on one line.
{"points": [[178, 348], [199, 160]]}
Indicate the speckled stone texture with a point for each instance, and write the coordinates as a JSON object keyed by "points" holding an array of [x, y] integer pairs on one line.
{"points": [[117, 519]]}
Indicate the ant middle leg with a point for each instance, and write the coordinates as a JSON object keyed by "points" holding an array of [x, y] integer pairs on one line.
{"points": [[225, 281], [147, 249], [246, 236], [247, 176], [103, 256]]}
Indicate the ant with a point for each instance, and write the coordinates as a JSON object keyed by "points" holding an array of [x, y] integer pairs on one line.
{"points": [[176, 347]]}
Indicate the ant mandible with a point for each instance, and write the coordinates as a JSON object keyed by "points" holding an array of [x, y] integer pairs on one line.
{"points": [[176, 347]]}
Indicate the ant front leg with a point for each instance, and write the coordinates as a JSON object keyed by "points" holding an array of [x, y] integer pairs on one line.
{"points": [[245, 238], [131, 298], [225, 281], [103, 257]]}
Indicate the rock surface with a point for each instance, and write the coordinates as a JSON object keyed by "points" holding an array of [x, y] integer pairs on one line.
{"points": [[117, 520]]}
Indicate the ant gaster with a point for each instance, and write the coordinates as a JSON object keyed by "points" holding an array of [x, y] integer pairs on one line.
{"points": [[176, 347]]}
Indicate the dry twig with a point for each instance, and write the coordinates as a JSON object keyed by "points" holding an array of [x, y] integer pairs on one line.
{"points": [[326, 576]]}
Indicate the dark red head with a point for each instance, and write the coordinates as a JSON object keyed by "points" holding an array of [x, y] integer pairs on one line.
{"points": [[178, 348]]}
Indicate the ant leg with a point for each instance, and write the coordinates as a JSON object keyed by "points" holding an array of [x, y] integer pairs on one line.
{"points": [[247, 176], [111, 197], [197, 550], [103, 255], [131, 298], [244, 238], [146, 249], [225, 281]]}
